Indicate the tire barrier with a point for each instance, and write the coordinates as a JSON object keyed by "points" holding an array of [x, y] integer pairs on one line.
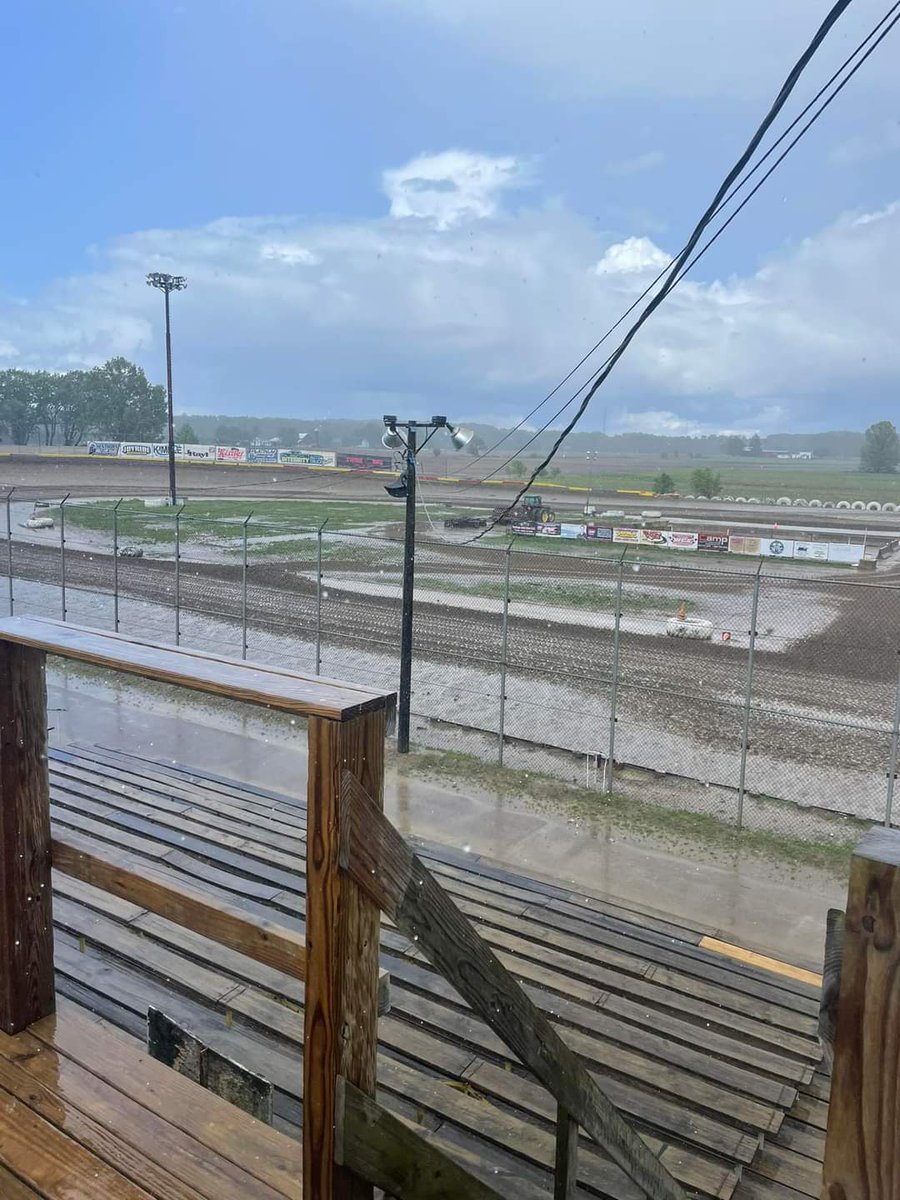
{"points": [[858, 505], [842, 504], [873, 506]]}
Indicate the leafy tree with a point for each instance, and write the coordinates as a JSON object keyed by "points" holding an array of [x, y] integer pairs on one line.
{"points": [[185, 434], [74, 399], [517, 468], [19, 405], [706, 482], [755, 446], [554, 472], [663, 483], [733, 444], [880, 452], [228, 433], [287, 435], [476, 446], [125, 405]]}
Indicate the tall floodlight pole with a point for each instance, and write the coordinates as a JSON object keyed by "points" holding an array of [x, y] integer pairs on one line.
{"points": [[168, 284], [405, 489]]}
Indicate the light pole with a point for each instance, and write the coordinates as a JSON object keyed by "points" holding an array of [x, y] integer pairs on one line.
{"points": [[168, 284], [393, 439]]}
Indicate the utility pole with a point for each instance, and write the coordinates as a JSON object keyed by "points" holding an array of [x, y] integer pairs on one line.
{"points": [[409, 575], [405, 488]]}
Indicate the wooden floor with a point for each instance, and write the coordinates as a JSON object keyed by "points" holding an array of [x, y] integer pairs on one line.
{"points": [[87, 1116], [712, 1060]]}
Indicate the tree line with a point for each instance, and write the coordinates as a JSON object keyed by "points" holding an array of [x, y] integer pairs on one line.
{"points": [[115, 401]]}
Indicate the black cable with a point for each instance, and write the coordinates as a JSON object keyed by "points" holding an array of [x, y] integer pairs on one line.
{"points": [[693, 262], [673, 271], [727, 200]]}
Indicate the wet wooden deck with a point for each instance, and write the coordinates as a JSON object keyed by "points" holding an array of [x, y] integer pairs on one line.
{"points": [[713, 1060]]}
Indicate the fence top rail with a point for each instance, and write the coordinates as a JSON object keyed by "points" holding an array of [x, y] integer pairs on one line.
{"points": [[253, 683]]}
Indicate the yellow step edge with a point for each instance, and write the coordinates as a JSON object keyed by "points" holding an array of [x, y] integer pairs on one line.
{"points": [[752, 959]]}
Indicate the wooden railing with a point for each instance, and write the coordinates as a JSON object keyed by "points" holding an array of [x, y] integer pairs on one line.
{"points": [[358, 866]]}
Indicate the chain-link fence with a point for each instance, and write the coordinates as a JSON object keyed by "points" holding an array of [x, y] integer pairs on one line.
{"points": [[765, 696]]}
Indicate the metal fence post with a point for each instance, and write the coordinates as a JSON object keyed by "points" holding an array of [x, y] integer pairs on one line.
{"points": [[614, 688], [319, 598], [115, 524], [503, 644], [62, 553], [892, 764], [748, 697], [9, 552], [178, 576], [244, 567]]}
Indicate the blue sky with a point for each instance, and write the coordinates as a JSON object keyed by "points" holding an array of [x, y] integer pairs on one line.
{"points": [[415, 203]]}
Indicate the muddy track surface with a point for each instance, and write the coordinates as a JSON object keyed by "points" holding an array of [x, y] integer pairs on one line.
{"points": [[850, 668]]}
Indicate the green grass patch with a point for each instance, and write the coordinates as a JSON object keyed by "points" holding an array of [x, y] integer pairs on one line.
{"points": [[680, 831], [750, 478], [591, 596], [221, 520]]}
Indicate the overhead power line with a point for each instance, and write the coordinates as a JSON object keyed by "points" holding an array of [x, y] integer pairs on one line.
{"points": [[727, 200], [673, 272], [700, 253]]}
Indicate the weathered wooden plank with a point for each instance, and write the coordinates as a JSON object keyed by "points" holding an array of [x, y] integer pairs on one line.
{"points": [[61, 1169], [107, 1144], [26, 917], [862, 1151], [14, 1189], [342, 923], [378, 1147], [212, 1122], [164, 893], [376, 857], [565, 1176], [238, 680]]}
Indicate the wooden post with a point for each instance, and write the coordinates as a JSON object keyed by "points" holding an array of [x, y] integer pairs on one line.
{"points": [[27, 990], [862, 1148], [342, 935], [565, 1180]]}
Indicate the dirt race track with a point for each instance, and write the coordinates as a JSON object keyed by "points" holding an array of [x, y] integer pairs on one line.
{"points": [[42, 476], [825, 671]]}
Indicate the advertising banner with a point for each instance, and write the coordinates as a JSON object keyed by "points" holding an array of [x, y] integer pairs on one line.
{"points": [[524, 529], [631, 536], [776, 548], [231, 454], [571, 531], [815, 550], [104, 449], [136, 449], [308, 458], [161, 449], [195, 453], [603, 533], [653, 537], [740, 544], [717, 542], [844, 552], [548, 530], [677, 540], [262, 454]]}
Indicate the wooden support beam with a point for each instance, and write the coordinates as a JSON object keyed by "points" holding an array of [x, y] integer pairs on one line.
{"points": [[164, 893], [862, 1148], [379, 860], [342, 936], [26, 918], [378, 1146], [565, 1180]]}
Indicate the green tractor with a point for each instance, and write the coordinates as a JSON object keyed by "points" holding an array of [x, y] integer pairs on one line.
{"points": [[530, 509]]}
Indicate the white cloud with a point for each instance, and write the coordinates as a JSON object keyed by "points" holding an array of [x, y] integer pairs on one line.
{"points": [[482, 313], [451, 187], [633, 255]]}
